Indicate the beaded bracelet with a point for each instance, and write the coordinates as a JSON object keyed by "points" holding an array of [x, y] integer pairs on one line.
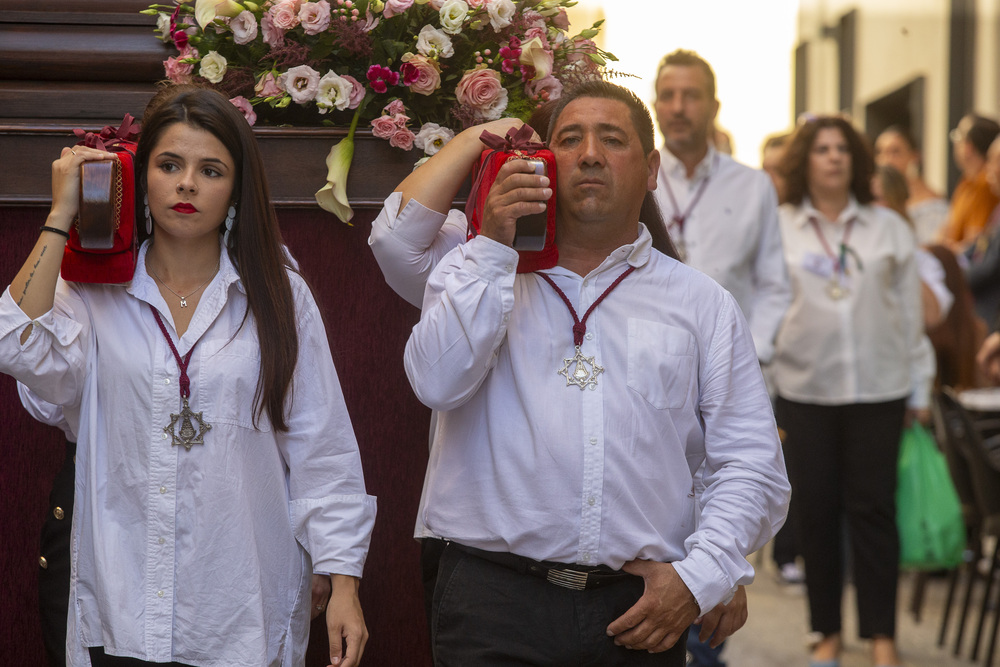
{"points": [[60, 232]]}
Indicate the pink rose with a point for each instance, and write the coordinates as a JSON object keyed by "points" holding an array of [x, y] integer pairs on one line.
{"points": [[427, 77], [476, 3], [315, 17], [579, 48], [243, 104], [268, 86], [384, 127], [400, 119], [357, 92], [177, 71], [479, 89], [402, 138], [273, 35], [301, 83], [393, 7], [285, 15]]}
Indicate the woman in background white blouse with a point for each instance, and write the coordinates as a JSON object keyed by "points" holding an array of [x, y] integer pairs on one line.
{"points": [[217, 469], [850, 362]]}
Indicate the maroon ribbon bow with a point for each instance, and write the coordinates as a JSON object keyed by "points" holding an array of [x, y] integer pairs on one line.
{"points": [[516, 140], [127, 131]]}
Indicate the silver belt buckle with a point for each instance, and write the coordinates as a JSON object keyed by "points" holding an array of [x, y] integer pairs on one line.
{"points": [[571, 579]]}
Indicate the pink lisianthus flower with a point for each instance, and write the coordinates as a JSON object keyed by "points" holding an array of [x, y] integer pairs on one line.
{"points": [[357, 91], [273, 35], [384, 127], [545, 89], [394, 108], [381, 77], [393, 7], [402, 138], [177, 71], [301, 83], [268, 86], [315, 17], [561, 20], [481, 91], [243, 104], [244, 27], [580, 48]]}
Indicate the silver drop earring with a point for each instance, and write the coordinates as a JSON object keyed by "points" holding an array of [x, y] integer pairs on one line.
{"points": [[230, 221], [149, 220]]}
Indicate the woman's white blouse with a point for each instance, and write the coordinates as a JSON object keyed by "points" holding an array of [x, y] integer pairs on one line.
{"points": [[867, 346], [200, 556]]}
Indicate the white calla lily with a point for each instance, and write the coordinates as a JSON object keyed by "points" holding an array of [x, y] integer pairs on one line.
{"points": [[332, 197], [205, 11]]}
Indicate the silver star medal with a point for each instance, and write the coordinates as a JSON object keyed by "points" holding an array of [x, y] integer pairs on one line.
{"points": [[187, 436], [584, 371]]}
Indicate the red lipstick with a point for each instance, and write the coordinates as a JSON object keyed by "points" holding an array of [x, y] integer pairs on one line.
{"points": [[184, 208]]}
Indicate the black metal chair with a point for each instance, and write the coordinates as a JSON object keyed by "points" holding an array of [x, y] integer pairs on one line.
{"points": [[978, 484]]}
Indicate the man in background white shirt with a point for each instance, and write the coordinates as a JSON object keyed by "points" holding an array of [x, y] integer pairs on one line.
{"points": [[722, 215], [565, 484]]}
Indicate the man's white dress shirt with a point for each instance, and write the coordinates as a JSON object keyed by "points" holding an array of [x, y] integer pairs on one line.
{"points": [[202, 556], [869, 345], [731, 234], [523, 463]]}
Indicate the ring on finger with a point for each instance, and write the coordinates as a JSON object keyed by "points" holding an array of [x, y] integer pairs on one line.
{"points": [[72, 151]]}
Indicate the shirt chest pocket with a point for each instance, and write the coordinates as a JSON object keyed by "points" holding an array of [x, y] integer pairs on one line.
{"points": [[662, 365], [229, 372]]}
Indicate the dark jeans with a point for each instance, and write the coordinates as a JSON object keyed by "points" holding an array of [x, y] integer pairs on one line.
{"points": [[842, 466], [487, 615], [53, 579], [703, 655]]}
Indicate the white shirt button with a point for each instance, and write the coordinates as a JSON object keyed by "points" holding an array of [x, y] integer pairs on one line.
{"points": [[593, 441], [165, 435], [508, 268], [586, 557], [590, 336], [586, 282], [591, 501], [166, 380], [163, 489], [506, 318], [161, 540], [159, 594]]}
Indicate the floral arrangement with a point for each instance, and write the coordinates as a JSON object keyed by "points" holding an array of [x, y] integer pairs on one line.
{"points": [[415, 70]]}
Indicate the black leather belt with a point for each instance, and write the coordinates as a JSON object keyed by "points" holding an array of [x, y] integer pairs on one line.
{"points": [[572, 576]]}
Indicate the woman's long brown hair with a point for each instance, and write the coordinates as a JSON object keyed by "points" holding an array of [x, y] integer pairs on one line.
{"points": [[257, 252]]}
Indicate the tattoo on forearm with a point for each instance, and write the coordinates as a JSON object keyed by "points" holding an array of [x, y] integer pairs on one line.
{"points": [[32, 274]]}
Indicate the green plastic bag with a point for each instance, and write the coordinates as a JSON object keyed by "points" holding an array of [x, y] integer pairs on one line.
{"points": [[928, 511]]}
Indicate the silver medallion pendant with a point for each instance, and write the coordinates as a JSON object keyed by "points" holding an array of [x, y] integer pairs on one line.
{"points": [[835, 290], [581, 371], [187, 435]]}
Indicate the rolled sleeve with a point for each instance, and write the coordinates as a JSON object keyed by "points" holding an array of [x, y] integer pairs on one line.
{"points": [[408, 245]]}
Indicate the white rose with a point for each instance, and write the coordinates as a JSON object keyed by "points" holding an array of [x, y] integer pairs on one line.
{"points": [[434, 43], [334, 92], [453, 13], [432, 137], [244, 28], [501, 12], [213, 67]]}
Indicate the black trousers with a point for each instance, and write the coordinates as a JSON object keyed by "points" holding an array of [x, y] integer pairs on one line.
{"points": [[842, 466], [488, 615], [99, 659], [53, 576]]}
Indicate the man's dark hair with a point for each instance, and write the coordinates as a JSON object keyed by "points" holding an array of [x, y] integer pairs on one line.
{"points": [[981, 133], [643, 124], [685, 58]]}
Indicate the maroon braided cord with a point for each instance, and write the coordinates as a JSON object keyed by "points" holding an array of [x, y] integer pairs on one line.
{"points": [[580, 326], [181, 363]]}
